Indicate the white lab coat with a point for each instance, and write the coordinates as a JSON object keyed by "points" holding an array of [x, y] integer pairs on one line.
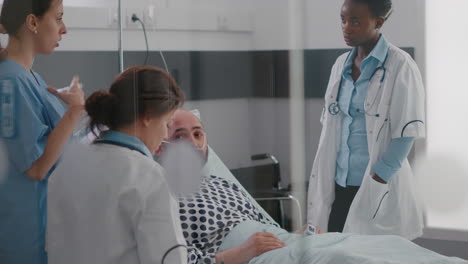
{"points": [[110, 204], [391, 208]]}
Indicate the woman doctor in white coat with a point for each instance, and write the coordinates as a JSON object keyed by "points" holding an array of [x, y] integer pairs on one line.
{"points": [[111, 204], [361, 181]]}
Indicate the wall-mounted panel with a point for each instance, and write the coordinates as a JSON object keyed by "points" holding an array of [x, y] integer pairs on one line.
{"points": [[204, 75]]}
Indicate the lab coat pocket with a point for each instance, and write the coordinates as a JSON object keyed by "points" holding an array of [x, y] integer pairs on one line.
{"points": [[378, 198]]}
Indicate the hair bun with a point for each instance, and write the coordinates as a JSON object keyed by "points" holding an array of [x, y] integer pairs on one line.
{"points": [[99, 106]]}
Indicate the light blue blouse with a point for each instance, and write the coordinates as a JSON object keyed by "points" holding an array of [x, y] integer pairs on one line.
{"points": [[121, 139], [353, 154]]}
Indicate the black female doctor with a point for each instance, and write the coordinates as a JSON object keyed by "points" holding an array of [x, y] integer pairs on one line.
{"points": [[361, 181]]}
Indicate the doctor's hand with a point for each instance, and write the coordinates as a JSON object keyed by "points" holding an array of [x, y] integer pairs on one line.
{"points": [[378, 179], [72, 95]]}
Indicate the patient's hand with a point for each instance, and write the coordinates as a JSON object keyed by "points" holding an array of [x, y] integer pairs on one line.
{"points": [[255, 245], [260, 243]]}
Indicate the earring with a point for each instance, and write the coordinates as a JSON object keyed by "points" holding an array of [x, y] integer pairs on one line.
{"points": [[35, 32]]}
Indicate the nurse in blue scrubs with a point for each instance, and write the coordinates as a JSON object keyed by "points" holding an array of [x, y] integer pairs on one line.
{"points": [[34, 126]]}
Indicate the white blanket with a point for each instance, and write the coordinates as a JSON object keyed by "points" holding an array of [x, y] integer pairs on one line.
{"points": [[336, 248]]}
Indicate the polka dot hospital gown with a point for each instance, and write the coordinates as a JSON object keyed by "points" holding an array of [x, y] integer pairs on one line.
{"points": [[208, 216]]}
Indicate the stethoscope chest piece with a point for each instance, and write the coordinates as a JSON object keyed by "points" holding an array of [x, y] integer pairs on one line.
{"points": [[334, 108]]}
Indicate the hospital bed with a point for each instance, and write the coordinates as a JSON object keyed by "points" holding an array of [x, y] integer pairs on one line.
{"points": [[316, 249]]}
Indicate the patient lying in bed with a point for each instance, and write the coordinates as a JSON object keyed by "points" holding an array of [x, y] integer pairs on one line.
{"points": [[223, 223]]}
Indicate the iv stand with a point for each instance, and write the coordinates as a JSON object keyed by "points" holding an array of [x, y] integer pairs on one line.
{"points": [[120, 15]]}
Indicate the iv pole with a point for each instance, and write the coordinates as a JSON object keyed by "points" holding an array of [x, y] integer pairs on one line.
{"points": [[120, 15]]}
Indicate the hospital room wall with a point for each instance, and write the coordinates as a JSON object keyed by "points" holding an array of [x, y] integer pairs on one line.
{"points": [[240, 127], [267, 127], [181, 25]]}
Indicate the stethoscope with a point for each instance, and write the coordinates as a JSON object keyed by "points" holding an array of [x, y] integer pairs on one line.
{"points": [[334, 108]]}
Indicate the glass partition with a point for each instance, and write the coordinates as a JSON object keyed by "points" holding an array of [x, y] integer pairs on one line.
{"points": [[257, 72]]}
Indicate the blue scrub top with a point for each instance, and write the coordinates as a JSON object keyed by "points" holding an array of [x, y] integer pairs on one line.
{"points": [[28, 113]]}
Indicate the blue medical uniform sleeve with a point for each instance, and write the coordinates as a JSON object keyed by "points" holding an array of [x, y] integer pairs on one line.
{"points": [[391, 160], [27, 143]]}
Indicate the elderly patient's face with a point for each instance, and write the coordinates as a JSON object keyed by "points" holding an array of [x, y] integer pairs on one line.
{"points": [[187, 126]]}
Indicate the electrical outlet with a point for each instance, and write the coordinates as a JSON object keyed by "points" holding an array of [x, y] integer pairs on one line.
{"points": [[128, 18]]}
